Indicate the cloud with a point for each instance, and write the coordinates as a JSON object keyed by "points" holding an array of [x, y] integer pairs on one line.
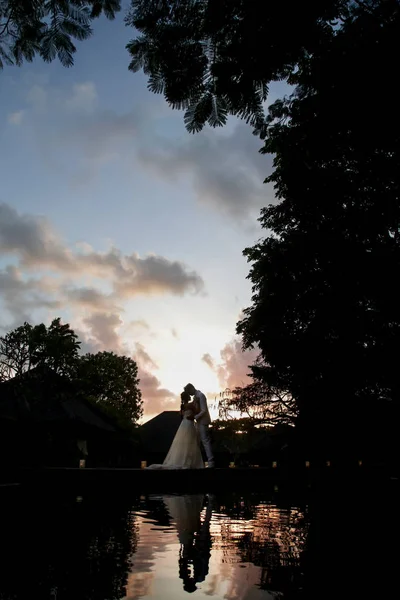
{"points": [[233, 368], [15, 118], [101, 137], [143, 358], [83, 98], [103, 328], [139, 325], [66, 121], [155, 397], [208, 359], [155, 274], [102, 332], [36, 244], [37, 98], [32, 239], [97, 315], [90, 298], [233, 371], [227, 171], [20, 295]]}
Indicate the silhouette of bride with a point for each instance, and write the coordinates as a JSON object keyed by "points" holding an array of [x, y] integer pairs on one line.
{"points": [[194, 536]]}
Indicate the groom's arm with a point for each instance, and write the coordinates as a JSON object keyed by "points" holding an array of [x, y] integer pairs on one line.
{"points": [[203, 406]]}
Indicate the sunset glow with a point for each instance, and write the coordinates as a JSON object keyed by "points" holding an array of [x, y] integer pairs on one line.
{"points": [[123, 224]]}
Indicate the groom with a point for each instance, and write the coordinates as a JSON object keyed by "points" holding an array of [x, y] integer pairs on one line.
{"points": [[203, 420]]}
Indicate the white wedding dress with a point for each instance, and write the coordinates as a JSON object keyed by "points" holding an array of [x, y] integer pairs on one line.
{"points": [[184, 452]]}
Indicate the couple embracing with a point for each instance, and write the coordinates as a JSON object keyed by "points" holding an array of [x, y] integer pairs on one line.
{"points": [[185, 452]]}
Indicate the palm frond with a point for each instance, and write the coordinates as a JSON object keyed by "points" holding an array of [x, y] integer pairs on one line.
{"points": [[139, 50], [65, 51], [109, 7], [156, 83], [219, 112], [198, 113], [5, 58], [80, 31]]}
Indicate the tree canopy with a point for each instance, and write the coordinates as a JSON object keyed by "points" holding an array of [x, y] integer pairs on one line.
{"points": [[111, 381], [104, 378], [47, 28], [29, 346], [326, 308], [215, 58], [325, 305]]}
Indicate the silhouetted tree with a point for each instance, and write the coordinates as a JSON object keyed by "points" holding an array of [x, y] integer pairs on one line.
{"points": [[326, 309], [111, 381], [262, 402], [47, 28], [30, 346], [325, 306], [215, 58], [105, 378]]}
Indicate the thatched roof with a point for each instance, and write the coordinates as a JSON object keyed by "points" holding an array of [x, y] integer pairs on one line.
{"points": [[41, 395], [157, 433]]}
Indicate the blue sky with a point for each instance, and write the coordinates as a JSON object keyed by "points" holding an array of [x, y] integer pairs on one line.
{"points": [[116, 219]]}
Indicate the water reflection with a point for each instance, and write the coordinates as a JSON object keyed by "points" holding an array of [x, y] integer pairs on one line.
{"points": [[194, 537], [228, 548], [233, 546]]}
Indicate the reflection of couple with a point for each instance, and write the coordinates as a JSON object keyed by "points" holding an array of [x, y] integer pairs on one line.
{"points": [[185, 452], [194, 536]]}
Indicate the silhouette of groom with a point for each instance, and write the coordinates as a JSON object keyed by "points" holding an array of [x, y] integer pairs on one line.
{"points": [[203, 421]]}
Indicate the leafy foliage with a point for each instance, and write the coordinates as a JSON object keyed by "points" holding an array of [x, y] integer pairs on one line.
{"points": [[47, 28], [238, 436], [111, 381], [325, 308], [30, 346], [205, 55], [261, 403], [108, 380]]}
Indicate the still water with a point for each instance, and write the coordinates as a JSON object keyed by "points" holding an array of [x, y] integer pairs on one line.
{"points": [[238, 546]]}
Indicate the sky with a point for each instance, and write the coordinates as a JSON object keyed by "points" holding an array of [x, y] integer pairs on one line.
{"points": [[117, 220]]}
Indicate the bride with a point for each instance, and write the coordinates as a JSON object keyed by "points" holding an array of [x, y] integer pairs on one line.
{"points": [[184, 452]]}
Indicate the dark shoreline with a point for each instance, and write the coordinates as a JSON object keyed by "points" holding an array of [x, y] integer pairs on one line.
{"points": [[109, 480]]}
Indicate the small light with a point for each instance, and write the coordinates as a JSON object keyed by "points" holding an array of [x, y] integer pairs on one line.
{"points": [[307, 464], [231, 465], [276, 488], [143, 464], [360, 463], [82, 463], [328, 463], [206, 464], [274, 464], [79, 499]]}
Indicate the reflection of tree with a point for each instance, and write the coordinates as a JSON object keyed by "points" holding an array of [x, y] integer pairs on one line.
{"points": [[77, 550], [275, 545], [266, 536]]}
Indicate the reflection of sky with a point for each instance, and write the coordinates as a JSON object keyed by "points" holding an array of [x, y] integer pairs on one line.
{"points": [[155, 570]]}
